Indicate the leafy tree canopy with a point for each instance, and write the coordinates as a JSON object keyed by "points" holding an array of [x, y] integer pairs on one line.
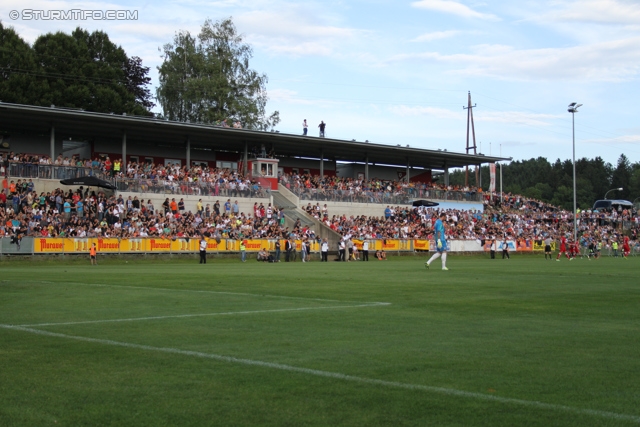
{"points": [[207, 79], [78, 70], [553, 182]]}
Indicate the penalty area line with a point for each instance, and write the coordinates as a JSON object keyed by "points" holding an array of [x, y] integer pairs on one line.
{"points": [[179, 316], [343, 377], [211, 292]]}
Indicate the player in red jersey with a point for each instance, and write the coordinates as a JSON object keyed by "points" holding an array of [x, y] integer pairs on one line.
{"points": [[563, 249], [574, 249], [626, 249]]}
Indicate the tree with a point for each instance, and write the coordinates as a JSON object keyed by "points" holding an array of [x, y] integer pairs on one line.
{"points": [[78, 70], [86, 70], [19, 81], [621, 177], [208, 79]]}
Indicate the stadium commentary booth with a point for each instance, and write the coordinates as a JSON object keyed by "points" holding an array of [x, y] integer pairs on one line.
{"points": [[265, 171]]}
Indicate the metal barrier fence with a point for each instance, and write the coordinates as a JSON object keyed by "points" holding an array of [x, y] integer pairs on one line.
{"points": [[383, 196], [197, 188], [28, 170]]}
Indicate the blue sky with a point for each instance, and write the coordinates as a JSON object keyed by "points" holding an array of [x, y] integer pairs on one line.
{"points": [[398, 72]]}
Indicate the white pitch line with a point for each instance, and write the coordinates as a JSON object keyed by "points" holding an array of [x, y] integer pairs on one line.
{"points": [[344, 377], [211, 292], [177, 316]]}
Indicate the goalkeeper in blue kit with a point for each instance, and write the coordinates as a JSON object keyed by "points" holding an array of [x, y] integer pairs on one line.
{"points": [[441, 243]]}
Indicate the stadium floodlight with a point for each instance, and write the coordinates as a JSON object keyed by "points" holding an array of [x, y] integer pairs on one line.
{"points": [[573, 109], [613, 189]]}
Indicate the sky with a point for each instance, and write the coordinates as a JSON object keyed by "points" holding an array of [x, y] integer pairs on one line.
{"points": [[399, 72]]}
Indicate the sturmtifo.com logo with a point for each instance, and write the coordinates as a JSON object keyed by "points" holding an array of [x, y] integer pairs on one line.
{"points": [[74, 15]]}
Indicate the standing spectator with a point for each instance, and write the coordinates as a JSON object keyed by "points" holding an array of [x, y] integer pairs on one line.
{"points": [[324, 249], [243, 250], [287, 250], [493, 248], [322, 125], [93, 252], [278, 250], [303, 251], [203, 250], [341, 248], [505, 249], [365, 249], [305, 126]]}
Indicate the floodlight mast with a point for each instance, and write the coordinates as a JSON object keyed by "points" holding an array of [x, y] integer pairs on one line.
{"points": [[613, 189], [573, 109]]}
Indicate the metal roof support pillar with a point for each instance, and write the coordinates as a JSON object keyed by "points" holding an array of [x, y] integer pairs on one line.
{"points": [[408, 171], [446, 175], [321, 164], [366, 168], [480, 176], [123, 165], [245, 159], [188, 152], [52, 144]]}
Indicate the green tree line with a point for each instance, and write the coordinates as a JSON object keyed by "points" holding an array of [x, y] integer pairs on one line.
{"points": [[79, 70], [553, 182]]}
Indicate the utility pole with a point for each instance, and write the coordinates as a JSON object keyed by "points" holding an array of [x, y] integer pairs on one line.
{"points": [[470, 125]]}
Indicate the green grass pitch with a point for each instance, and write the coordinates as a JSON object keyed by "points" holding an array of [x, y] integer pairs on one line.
{"points": [[385, 343]]}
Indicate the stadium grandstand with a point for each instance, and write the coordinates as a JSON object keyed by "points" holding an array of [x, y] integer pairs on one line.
{"points": [[177, 181]]}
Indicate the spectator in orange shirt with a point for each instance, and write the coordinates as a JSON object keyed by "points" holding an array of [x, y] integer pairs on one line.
{"points": [[93, 252]]}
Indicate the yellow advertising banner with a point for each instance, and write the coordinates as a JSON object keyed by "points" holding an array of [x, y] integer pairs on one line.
{"points": [[134, 245], [212, 245], [159, 245], [48, 245], [106, 245], [421, 245], [538, 245], [256, 245], [229, 245], [183, 245], [387, 245], [77, 245]]}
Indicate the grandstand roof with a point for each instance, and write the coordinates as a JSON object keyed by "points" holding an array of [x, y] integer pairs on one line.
{"points": [[153, 131]]}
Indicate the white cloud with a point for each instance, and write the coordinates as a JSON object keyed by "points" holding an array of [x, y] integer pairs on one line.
{"points": [[440, 113], [515, 117], [292, 33], [613, 12], [625, 139], [453, 8], [436, 35], [615, 60]]}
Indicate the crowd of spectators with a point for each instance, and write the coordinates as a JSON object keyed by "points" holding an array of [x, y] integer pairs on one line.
{"points": [[338, 189], [173, 178], [517, 219], [83, 214]]}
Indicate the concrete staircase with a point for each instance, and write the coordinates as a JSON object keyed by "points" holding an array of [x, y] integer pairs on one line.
{"points": [[289, 202]]}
